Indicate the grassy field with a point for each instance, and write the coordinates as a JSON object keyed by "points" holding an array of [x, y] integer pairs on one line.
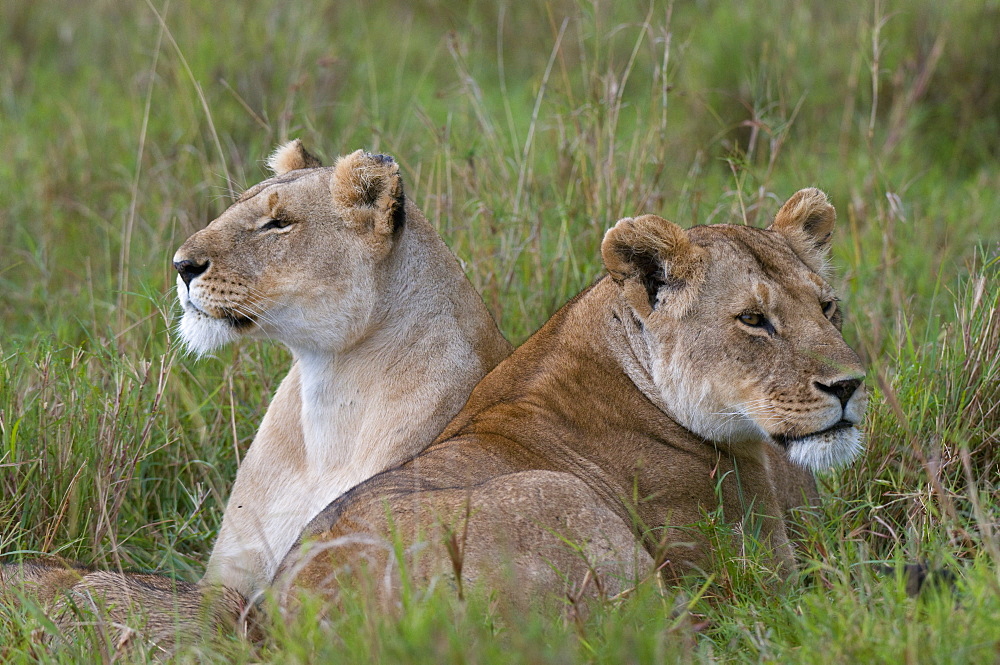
{"points": [[524, 131]]}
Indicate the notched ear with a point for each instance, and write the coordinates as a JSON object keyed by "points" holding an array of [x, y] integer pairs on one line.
{"points": [[806, 221], [368, 191], [290, 157], [645, 255]]}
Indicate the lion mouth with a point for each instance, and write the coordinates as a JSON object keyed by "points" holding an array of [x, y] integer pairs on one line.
{"points": [[834, 446], [786, 441], [236, 320], [232, 318]]}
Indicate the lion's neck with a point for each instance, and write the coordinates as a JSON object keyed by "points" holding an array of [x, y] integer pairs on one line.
{"points": [[345, 439], [384, 399]]}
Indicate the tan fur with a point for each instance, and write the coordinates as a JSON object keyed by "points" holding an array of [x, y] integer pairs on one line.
{"points": [[41, 579], [807, 220], [663, 392], [389, 338], [291, 156]]}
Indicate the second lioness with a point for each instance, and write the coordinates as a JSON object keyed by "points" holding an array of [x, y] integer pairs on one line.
{"points": [[649, 399]]}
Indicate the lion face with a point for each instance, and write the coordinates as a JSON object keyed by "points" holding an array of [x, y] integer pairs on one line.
{"points": [[742, 330], [297, 258]]}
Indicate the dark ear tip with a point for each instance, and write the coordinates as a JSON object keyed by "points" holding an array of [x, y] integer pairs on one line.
{"points": [[383, 159]]}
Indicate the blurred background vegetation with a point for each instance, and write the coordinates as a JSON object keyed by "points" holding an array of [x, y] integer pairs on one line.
{"points": [[524, 131]]}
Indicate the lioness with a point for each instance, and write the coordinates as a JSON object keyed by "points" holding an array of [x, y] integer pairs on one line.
{"points": [[648, 399], [388, 336]]}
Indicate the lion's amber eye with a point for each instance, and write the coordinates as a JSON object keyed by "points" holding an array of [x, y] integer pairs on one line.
{"points": [[275, 224], [752, 319]]}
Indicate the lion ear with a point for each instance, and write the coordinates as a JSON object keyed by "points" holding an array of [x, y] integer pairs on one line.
{"points": [[368, 192], [290, 157], [649, 258], [806, 221]]}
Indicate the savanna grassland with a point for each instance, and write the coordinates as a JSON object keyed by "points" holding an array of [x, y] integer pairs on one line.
{"points": [[524, 130]]}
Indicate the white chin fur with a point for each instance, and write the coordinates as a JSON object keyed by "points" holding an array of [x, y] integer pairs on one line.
{"points": [[830, 449], [202, 334]]}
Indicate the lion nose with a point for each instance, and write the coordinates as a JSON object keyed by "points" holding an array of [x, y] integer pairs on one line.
{"points": [[842, 390], [188, 269]]}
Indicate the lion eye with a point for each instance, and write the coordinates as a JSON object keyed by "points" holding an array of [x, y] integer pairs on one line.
{"points": [[752, 319], [274, 224], [829, 308]]}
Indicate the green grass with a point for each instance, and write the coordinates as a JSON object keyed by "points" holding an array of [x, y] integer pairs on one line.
{"points": [[524, 131]]}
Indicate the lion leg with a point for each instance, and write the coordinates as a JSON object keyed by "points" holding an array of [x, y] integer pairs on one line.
{"points": [[40, 580], [531, 535], [156, 609], [547, 531], [126, 606], [794, 484], [750, 499]]}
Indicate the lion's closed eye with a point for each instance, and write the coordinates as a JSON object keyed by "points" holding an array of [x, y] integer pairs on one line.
{"points": [[275, 224]]}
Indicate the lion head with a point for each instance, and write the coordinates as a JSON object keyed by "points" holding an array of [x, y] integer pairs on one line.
{"points": [[739, 329], [298, 258]]}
